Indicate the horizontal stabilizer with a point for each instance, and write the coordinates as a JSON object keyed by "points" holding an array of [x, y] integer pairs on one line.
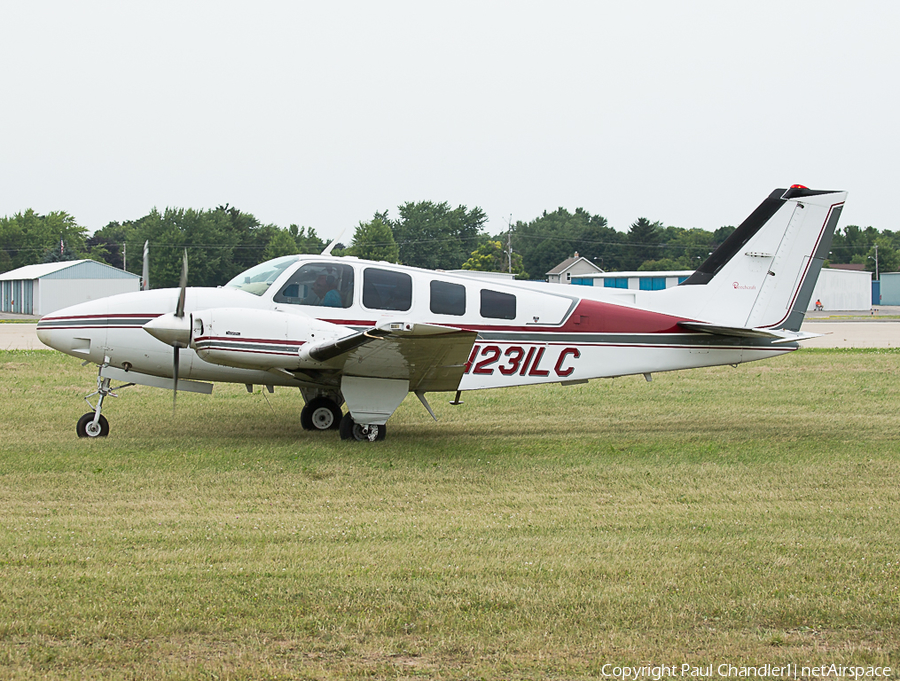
{"points": [[776, 336]]}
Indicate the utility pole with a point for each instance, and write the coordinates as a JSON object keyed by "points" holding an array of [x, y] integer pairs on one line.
{"points": [[876, 262]]}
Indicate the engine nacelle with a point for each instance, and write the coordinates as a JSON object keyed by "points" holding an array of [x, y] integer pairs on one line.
{"points": [[259, 339]]}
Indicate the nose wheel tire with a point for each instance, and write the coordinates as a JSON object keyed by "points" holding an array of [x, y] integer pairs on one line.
{"points": [[87, 428], [321, 414], [351, 430]]}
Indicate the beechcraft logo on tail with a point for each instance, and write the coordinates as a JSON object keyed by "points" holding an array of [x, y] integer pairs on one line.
{"points": [[744, 287]]}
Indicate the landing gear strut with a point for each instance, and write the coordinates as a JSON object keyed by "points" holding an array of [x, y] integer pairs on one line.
{"points": [[94, 424]]}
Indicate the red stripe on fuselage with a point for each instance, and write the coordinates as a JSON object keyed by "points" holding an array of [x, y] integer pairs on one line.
{"points": [[148, 315], [243, 339], [594, 316]]}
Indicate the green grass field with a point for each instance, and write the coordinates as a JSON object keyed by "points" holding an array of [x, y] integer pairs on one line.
{"points": [[741, 515]]}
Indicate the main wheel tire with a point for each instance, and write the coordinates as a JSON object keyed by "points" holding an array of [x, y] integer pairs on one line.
{"points": [[321, 413], [87, 428], [351, 430]]}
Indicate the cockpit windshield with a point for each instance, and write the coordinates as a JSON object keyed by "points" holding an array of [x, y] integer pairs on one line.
{"points": [[257, 280]]}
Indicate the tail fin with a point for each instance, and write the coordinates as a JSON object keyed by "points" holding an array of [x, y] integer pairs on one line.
{"points": [[763, 275]]}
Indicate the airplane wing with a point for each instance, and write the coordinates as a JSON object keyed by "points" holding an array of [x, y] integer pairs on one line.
{"points": [[431, 357], [776, 336]]}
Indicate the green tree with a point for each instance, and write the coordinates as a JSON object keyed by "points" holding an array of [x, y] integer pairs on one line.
{"points": [[644, 241], [548, 240], [721, 234], [61, 253], [852, 244], [25, 238], [306, 239], [435, 236], [491, 257], [281, 243], [681, 249], [667, 264], [888, 256], [220, 244], [374, 240], [106, 244], [244, 240]]}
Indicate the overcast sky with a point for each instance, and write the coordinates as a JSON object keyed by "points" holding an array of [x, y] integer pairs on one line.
{"points": [[322, 113]]}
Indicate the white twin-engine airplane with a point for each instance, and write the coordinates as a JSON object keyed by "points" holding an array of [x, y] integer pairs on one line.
{"points": [[345, 330]]}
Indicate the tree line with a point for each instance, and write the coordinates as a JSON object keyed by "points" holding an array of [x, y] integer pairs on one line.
{"points": [[224, 241]]}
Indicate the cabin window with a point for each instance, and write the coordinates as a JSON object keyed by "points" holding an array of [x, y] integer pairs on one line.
{"points": [[496, 305], [386, 289], [257, 280], [447, 298], [320, 284]]}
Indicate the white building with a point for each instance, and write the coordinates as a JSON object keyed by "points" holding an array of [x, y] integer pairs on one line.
{"points": [[45, 288], [843, 290], [575, 267]]}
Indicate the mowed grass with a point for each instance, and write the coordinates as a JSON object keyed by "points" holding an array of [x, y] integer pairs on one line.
{"points": [[744, 515]]}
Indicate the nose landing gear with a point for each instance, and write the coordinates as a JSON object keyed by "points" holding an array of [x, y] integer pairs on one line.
{"points": [[94, 424]]}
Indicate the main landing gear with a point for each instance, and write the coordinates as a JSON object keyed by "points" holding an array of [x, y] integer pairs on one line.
{"points": [[351, 430], [321, 413]]}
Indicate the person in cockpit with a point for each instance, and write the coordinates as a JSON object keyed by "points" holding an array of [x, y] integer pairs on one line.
{"points": [[324, 293]]}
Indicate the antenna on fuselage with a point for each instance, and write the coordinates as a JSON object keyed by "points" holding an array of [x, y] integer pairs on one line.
{"points": [[328, 248], [509, 241]]}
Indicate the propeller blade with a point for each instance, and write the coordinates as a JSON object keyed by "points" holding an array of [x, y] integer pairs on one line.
{"points": [[179, 310], [175, 378], [174, 329], [145, 279]]}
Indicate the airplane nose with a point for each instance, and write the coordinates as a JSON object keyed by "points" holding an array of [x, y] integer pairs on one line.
{"points": [[171, 329], [44, 335], [73, 332]]}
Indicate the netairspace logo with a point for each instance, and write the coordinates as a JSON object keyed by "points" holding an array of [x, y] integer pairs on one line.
{"points": [[727, 671]]}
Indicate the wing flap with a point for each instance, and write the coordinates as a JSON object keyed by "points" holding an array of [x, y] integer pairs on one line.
{"points": [[431, 357]]}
